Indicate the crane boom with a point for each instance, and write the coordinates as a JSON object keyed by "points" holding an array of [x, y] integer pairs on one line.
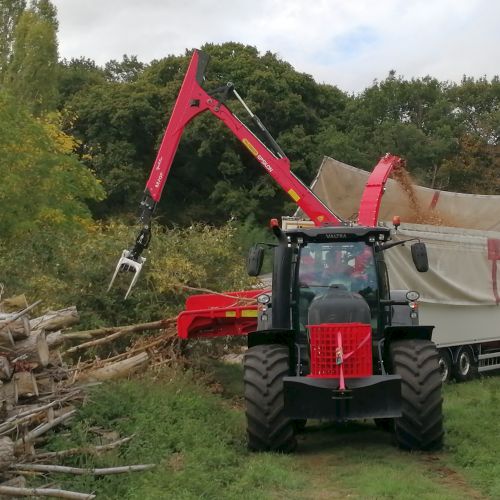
{"points": [[193, 100]]}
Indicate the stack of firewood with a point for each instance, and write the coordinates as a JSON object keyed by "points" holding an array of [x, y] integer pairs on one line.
{"points": [[43, 377], [30, 359]]}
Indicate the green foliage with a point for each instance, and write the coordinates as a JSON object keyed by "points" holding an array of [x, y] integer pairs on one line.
{"points": [[32, 72], [64, 271], [117, 126], [43, 186], [126, 70], [46, 10], [428, 122], [10, 11], [77, 75], [233, 183], [199, 256]]}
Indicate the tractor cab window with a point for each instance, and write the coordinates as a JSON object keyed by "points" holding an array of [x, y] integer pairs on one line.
{"points": [[350, 266], [345, 265]]}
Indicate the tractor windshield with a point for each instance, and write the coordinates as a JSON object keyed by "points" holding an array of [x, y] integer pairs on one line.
{"points": [[346, 265]]}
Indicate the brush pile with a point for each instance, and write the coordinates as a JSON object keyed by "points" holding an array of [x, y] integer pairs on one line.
{"points": [[43, 376]]}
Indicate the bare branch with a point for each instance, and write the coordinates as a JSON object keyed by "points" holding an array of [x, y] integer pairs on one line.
{"points": [[89, 450], [42, 429], [90, 334], [81, 472], [44, 492]]}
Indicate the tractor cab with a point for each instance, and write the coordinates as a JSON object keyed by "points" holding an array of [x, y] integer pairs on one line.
{"points": [[328, 271], [315, 267]]}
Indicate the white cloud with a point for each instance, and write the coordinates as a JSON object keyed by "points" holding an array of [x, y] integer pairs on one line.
{"points": [[347, 43]]}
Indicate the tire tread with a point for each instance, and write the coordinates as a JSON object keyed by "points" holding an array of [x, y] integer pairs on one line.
{"points": [[421, 425], [268, 428]]}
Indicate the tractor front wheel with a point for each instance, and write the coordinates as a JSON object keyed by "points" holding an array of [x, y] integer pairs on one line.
{"points": [[421, 425], [268, 428]]}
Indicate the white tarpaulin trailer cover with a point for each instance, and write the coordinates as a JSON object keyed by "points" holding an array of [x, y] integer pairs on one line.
{"points": [[464, 264], [340, 186]]}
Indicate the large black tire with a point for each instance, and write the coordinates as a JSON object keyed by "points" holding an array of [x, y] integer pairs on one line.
{"points": [[268, 428], [465, 366], [421, 425], [445, 365]]}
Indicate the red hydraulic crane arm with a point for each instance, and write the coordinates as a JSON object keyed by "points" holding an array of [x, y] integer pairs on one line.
{"points": [[193, 100]]}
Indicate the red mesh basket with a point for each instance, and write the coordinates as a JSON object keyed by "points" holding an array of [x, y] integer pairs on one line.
{"points": [[356, 350]]}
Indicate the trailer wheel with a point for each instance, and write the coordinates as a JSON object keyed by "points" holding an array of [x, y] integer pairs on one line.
{"points": [[268, 428], [465, 367], [421, 425], [445, 365]]}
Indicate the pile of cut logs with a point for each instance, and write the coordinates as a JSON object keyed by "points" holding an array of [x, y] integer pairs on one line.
{"points": [[40, 386], [29, 351]]}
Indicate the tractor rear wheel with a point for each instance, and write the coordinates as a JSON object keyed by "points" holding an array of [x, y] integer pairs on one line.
{"points": [[268, 428], [421, 425]]}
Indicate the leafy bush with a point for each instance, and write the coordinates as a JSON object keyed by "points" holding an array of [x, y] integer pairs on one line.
{"points": [[75, 268], [43, 185]]}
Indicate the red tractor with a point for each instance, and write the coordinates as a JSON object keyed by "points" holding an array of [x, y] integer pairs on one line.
{"points": [[329, 340]]}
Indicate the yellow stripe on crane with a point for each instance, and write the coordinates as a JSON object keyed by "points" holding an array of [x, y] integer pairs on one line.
{"points": [[293, 195], [250, 147]]}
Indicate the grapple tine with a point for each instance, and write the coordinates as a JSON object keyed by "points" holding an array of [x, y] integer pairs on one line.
{"points": [[125, 263]]}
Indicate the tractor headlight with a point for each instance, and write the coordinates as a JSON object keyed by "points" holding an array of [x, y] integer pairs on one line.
{"points": [[263, 299], [412, 295]]}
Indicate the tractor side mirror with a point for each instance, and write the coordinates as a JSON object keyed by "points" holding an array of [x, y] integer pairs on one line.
{"points": [[419, 256], [254, 260]]}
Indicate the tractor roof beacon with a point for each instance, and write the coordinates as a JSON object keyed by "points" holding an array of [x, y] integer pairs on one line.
{"points": [[331, 340]]}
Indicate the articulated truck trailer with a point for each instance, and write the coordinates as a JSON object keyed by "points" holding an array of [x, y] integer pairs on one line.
{"points": [[460, 296]]}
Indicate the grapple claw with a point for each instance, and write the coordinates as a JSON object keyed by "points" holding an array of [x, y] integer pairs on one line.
{"points": [[126, 263]]}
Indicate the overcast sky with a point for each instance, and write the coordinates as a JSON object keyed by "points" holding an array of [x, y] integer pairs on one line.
{"points": [[348, 43]]}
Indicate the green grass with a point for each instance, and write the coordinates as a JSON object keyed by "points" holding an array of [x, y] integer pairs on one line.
{"points": [[472, 412], [198, 441]]}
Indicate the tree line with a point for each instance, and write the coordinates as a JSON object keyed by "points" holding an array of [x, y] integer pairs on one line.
{"points": [[116, 113]]}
